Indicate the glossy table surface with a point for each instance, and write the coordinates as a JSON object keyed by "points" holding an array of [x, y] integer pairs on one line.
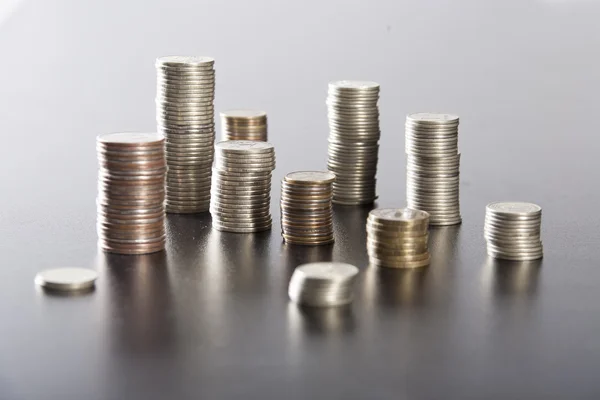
{"points": [[209, 318]]}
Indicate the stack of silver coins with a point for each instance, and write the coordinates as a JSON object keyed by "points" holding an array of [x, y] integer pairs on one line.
{"points": [[306, 208], [433, 163], [513, 231], [323, 284], [244, 125], [131, 192], [353, 140], [241, 186], [398, 238], [185, 92]]}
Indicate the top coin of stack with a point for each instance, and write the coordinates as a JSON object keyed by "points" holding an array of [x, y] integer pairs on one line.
{"points": [[241, 189], [323, 284], [397, 237], [512, 231], [432, 181], [244, 125], [131, 192], [185, 92], [353, 140], [306, 211]]}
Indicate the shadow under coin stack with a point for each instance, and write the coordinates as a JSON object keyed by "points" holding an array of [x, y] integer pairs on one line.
{"points": [[323, 284], [306, 208], [398, 237], [433, 163], [185, 92], [241, 188], [353, 140], [513, 231], [244, 125], [131, 192]]}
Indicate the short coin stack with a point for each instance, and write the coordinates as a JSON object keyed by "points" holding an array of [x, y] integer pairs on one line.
{"points": [[512, 231], [397, 238], [432, 176], [306, 208], [353, 140], [241, 186], [323, 284], [131, 192], [244, 125], [185, 92]]}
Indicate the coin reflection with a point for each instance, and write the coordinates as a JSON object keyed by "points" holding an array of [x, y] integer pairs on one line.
{"points": [[392, 287], [138, 301], [304, 320], [510, 278]]}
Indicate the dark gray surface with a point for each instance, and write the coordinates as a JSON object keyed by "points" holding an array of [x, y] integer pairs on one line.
{"points": [[210, 318]]}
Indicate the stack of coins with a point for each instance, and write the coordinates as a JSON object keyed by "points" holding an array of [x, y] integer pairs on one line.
{"points": [[512, 231], [185, 92], [244, 125], [397, 238], [323, 284], [241, 186], [432, 176], [306, 208], [131, 192], [353, 140]]}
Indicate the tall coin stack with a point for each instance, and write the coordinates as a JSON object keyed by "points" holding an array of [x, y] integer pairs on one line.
{"points": [[512, 231], [306, 208], [398, 237], [241, 186], [244, 125], [185, 92], [323, 284], [353, 140], [131, 192], [433, 163]]}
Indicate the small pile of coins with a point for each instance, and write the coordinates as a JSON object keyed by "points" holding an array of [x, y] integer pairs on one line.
{"points": [[353, 140], [433, 163], [185, 91], [131, 192], [512, 231], [398, 238], [244, 125], [306, 208], [241, 186], [323, 284]]}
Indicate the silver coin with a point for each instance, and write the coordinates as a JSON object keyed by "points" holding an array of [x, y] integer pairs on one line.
{"points": [[66, 279]]}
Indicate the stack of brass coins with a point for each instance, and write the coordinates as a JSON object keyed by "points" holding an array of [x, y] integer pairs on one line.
{"points": [[185, 92], [131, 192], [323, 284], [433, 161], [513, 231], [306, 208], [241, 188], [244, 125], [398, 237], [353, 140]]}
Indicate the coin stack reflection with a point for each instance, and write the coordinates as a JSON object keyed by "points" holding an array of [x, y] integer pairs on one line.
{"points": [[131, 192], [398, 237], [353, 140], [185, 93], [244, 125], [323, 284], [433, 161], [513, 231], [241, 188], [306, 208]]}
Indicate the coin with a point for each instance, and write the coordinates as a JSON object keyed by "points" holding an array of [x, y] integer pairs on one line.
{"points": [[244, 124], [185, 88], [323, 284], [66, 279], [512, 230]]}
